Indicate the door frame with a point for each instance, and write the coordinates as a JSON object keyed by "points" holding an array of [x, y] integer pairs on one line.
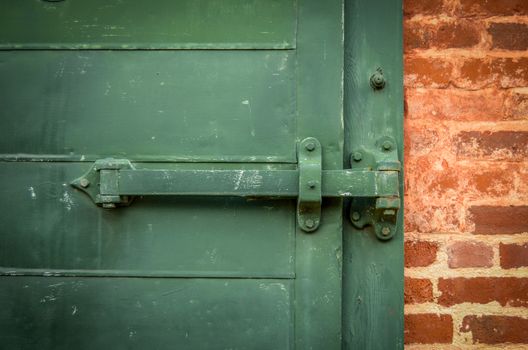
{"points": [[373, 270]]}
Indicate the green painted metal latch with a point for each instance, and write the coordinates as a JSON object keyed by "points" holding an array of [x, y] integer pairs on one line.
{"points": [[115, 182]]}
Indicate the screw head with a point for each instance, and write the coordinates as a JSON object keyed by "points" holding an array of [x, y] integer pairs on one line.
{"points": [[385, 231], [84, 183], [387, 145], [356, 216], [310, 146], [309, 223], [357, 156]]}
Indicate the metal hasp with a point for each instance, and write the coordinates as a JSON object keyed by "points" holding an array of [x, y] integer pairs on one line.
{"points": [[115, 182], [382, 212]]}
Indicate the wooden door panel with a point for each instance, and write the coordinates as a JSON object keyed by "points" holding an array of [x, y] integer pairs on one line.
{"points": [[134, 24], [149, 105], [132, 313], [181, 85], [48, 226]]}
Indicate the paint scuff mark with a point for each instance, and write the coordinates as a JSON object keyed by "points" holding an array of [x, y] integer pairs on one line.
{"points": [[48, 298], [32, 193], [238, 179], [67, 200]]}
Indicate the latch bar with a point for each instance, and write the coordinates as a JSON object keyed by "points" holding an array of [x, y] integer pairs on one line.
{"points": [[235, 183], [114, 182]]}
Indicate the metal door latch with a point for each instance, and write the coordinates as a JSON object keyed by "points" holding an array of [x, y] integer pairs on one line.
{"points": [[375, 192]]}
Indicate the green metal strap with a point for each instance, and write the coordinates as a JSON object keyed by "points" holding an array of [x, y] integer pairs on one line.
{"points": [[309, 200], [115, 182]]}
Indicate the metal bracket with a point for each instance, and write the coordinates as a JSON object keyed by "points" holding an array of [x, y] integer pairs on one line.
{"points": [[101, 183], [381, 213], [373, 186], [310, 178]]}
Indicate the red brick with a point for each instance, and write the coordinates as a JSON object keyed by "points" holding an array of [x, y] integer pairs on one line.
{"points": [[443, 35], [428, 329], [469, 254], [418, 290], [461, 105], [421, 7], [490, 181], [496, 329], [482, 290], [509, 36], [492, 8], [497, 145], [420, 253], [477, 73], [427, 72], [493, 220], [516, 105], [513, 255], [420, 140]]}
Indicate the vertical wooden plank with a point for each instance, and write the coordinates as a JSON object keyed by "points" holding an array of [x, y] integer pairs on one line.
{"points": [[373, 270], [319, 96]]}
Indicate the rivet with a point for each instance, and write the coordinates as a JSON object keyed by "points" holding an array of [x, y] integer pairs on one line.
{"points": [[356, 216], [312, 184], [387, 145], [385, 231], [309, 223], [84, 183], [357, 156], [310, 146]]}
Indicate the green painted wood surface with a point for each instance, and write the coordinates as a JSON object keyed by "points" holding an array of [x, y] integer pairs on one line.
{"points": [[137, 313], [149, 105], [50, 225], [319, 101], [133, 24], [373, 270], [192, 273]]}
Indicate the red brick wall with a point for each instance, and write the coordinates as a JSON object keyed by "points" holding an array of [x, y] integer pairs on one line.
{"points": [[466, 139]]}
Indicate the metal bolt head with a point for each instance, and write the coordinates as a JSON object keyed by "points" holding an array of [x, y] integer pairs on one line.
{"points": [[385, 231], [310, 146], [387, 145], [312, 184], [357, 156], [84, 183], [377, 80], [356, 216], [309, 223]]}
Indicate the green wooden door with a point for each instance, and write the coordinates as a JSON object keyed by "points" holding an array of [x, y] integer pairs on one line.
{"points": [[213, 98]]}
